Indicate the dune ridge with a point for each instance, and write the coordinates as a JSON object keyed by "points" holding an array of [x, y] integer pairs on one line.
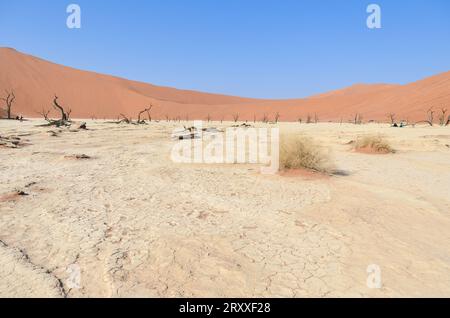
{"points": [[94, 95]]}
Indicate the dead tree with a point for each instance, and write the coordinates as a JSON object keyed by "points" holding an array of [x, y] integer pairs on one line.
{"points": [[392, 118], [265, 119], [430, 114], [208, 118], [277, 117], [236, 117], [308, 119], [316, 118], [65, 119], [357, 120], [44, 113], [430, 117], [443, 118], [9, 100]]}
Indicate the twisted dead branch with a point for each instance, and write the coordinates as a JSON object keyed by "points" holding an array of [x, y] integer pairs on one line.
{"points": [[147, 110]]}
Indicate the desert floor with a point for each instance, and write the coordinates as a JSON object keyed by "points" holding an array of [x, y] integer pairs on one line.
{"points": [[136, 224]]}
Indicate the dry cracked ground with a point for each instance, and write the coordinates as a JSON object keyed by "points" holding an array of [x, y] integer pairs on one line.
{"points": [[133, 223]]}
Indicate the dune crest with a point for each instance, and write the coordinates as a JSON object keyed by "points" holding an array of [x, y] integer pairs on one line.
{"points": [[90, 94]]}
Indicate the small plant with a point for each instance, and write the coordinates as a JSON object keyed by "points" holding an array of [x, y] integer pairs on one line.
{"points": [[373, 144], [300, 152]]}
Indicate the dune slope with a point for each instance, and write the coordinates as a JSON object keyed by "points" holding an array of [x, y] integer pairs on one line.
{"points": [[90, 94]]}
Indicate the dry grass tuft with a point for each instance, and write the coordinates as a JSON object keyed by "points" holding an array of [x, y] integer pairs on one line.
{"points": [[300, 152], [373, 144]]}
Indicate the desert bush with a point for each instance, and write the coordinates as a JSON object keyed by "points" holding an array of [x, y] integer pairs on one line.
{"points": [[297, 152], [376, 144]]}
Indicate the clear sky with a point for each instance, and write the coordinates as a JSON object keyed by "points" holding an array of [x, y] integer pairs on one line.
{"points": [[255, 48]]}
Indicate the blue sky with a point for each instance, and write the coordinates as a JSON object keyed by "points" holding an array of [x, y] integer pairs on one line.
{"points": [[255, 48]]}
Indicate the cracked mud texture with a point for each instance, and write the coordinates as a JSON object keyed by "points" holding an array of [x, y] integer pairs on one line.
{"points": [[137, 224]]}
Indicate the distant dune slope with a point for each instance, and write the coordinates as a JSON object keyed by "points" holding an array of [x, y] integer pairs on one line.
{"points": [[89, 94]]}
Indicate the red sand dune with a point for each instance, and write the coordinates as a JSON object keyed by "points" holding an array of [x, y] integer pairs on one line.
{"points": [[88, 94]]}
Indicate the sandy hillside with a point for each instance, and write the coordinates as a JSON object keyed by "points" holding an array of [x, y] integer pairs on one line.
{"points": [[94, 95], [137, 224]]}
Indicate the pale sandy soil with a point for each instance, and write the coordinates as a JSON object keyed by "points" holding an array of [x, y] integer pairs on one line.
{"points": [[138, 224]]}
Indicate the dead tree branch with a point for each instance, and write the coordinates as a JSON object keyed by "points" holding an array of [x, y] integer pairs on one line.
{"points": [[147, 110], [125, 119]]}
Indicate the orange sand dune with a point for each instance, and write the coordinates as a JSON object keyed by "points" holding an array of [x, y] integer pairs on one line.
{"points": [[89, 94]]}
